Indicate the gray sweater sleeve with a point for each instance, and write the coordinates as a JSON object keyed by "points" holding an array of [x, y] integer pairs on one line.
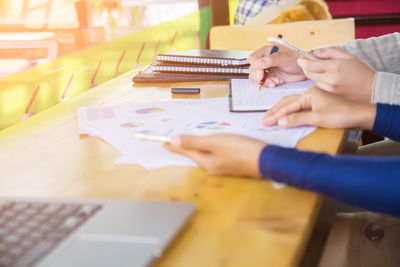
{"points": [[383, 55]]}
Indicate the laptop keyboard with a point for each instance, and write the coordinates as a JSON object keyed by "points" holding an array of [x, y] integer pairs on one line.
{"points": [[29, 230]]}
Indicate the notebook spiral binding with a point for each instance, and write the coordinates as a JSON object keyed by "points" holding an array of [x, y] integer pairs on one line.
{"points": [[201, 60]]}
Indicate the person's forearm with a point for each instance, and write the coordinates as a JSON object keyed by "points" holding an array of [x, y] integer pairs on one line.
{"points": [[381, 53], [386, 88], [387, 121], [363, 116], [367, 182]]}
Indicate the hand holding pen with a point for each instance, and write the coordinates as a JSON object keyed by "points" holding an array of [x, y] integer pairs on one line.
{"points": [[283, 65], [266, 71]]}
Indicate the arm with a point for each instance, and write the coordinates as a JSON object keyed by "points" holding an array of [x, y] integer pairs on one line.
{"points": [[386, 88], [387, 121], [373, 183], [369, 182], [383, 55]]}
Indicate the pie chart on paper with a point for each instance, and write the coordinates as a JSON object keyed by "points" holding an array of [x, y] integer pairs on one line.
{"points": [[149, 110]]}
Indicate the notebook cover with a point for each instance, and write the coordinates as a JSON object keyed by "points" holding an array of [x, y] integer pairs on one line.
{"points": [[160, 77], [180, 64]]}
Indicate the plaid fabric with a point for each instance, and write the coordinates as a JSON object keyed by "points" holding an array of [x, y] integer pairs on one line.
{"points": [[249, 8]]}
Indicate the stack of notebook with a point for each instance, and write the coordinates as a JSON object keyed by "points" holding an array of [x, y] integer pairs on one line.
{"points": [[196, 65]]}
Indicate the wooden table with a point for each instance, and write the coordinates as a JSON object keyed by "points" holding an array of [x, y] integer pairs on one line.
{"points": [[239, 222]]}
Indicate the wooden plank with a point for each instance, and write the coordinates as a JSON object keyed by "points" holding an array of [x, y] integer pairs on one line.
{"points": [[306, 34]]}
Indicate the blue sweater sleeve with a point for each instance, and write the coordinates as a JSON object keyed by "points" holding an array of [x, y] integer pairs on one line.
{"points": [[369, 182], [387, 121]]}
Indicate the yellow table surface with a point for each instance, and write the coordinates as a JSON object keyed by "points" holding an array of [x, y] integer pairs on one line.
{"points": [[238, 222]]}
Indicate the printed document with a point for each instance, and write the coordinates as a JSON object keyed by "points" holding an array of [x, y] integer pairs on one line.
{"points": [[201, 117]]}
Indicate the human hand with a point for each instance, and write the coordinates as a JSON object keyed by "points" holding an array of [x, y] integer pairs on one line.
{"points": [[320, 108], [341, 73], [283, 66], [222, 154]]}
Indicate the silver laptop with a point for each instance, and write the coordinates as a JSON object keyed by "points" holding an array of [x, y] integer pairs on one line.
{"points": [[82, 232]]}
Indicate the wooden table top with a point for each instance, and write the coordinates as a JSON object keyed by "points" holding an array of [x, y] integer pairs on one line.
{"points": [[238, 222]]}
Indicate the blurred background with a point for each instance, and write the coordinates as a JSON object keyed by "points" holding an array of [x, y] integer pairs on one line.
{"points": [[43, 30], [47, 29]]}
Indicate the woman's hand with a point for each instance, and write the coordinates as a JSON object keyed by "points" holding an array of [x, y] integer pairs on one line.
{"points": [[222, 154], [320, 108], [341, 73], [283, 66]]}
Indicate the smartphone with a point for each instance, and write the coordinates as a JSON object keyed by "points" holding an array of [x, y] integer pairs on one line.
{"points": [[280, 41]]}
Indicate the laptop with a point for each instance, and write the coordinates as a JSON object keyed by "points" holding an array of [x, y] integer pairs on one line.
{"points": [[87, 232]]}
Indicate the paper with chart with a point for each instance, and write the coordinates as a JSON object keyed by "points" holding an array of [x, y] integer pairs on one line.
{"points": [[246, 96], [196, 117]]}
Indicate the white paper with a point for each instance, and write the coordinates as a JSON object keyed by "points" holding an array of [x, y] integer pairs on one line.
{"points": [[246, 95], [195, 117]]}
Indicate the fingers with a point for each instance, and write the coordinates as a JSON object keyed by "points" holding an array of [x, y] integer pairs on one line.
{"points": [[322, 71], [310, 66], [268, 119], [255, 74], [332, 53], [264, 60], [200, 143], [268, 61], [326, 81], [199, 157], [277, 80], [176, 148], [330, 56], [324, 86], [259, 53], [294, 106], [289, 106], [297, 119], [271, 81], [283, 102]]}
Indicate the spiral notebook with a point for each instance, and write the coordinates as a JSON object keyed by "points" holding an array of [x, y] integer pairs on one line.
{"points": [[151, 74], [192, 68], [207, 57]]}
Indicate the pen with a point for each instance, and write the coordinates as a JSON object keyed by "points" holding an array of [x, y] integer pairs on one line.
{"points": [[266, 71], [151, 137], [297, 50]]}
